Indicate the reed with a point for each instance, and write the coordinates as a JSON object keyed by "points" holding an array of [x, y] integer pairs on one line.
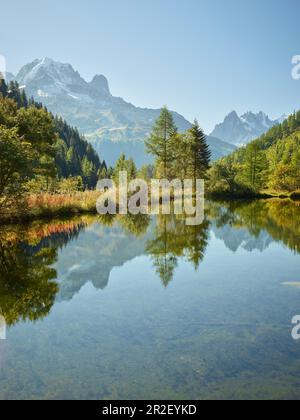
{"points": [[46, 205], [40, 205]]}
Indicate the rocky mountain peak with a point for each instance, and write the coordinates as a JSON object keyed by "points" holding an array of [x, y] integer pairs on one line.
{"points": [[232, 116], [241, 130], [111, 124], [100, 84]]}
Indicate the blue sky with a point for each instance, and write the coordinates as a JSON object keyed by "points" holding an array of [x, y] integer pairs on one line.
{"points": [[202, 58]]}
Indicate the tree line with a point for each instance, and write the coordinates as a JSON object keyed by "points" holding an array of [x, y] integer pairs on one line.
{"points": [[40, 152], [269, 163], [74, 156], [176, 155]]}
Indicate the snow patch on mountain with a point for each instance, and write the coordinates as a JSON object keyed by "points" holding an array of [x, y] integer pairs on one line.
{"points": [[240, 130], [111, 124]]}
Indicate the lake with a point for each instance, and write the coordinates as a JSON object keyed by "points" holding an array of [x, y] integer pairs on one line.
{"points": [[148, 308]]}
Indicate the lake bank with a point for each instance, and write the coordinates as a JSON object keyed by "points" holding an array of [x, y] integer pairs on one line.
{"points": [[265, 194], [48, 206]]}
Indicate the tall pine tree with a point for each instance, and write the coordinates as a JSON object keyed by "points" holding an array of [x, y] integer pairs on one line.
{"points": [[159, 143], [199, 154], [3, 88]]}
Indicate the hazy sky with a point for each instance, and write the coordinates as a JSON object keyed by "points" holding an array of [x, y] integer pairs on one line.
{"points": [[202, 58]]}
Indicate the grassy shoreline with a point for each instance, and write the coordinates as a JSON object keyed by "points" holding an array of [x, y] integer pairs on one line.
{"points": [[265, 194], [50, 206]]}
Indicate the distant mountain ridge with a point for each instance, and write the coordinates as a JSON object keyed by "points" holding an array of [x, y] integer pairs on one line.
{"points": [[241, 130], [111, 124]]}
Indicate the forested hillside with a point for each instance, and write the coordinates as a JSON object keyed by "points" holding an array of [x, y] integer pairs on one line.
{"points": [[270, 163], [43, 161], [73, 155]]}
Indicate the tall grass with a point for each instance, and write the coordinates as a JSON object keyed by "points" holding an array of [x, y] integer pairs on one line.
{"points": [[44, 205]]}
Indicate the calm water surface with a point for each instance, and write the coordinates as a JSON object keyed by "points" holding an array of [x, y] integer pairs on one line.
{"points": [[140, 308]]}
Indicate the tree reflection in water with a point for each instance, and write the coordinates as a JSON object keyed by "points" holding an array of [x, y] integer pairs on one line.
{"points": [[173, 239], [28, 279]]}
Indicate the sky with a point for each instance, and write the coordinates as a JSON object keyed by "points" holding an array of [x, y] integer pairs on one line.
{"points": [[201, 58]]}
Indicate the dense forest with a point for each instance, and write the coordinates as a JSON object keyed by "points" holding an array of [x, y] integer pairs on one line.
{"points": [[73, 155], [270, 163], [40, 152]]}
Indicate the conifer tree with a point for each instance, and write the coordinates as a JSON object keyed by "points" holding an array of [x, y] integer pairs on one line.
{"points": [[131, 169], [119, 167], [159, 144], [3, 88], [255, 164], [123, 165], [24, 100], [90, 173], [73, 161], [199, 154]]}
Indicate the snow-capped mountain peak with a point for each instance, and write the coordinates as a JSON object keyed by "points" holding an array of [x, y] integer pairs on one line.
{"points": [[49, 77], [90, 107], [113, 125], [46, 78], [241, 130]]}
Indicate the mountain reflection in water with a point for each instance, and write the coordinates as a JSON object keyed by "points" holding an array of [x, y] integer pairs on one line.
{"points": [[32, 276], [138, 307]]}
